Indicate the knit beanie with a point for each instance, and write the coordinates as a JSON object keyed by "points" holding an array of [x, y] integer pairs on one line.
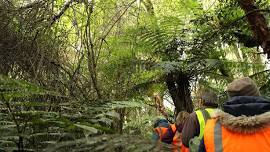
{"points": [[243, 87]]}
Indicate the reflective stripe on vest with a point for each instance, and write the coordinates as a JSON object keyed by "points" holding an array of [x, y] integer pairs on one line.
{"points": [[202, 116], [218, 137], [213, 136]]}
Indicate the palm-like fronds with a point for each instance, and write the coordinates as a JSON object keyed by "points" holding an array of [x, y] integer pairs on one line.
{"points": [[33, 118]]}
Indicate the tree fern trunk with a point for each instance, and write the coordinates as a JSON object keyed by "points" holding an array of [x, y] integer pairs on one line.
{"points": [[183, 86], [178, 86]]}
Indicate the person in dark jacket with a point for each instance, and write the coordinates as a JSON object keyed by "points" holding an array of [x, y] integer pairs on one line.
{"points": [[244, 123], [195, 123]]}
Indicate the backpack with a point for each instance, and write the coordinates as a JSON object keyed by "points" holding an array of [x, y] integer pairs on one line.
{"points": [[194, 144]]}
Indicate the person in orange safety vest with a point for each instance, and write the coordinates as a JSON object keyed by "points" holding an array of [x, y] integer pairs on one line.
{"points": [[244, 123], [163, 131]]}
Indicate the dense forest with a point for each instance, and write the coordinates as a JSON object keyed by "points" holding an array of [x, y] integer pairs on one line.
{"points": [[93, 75]]}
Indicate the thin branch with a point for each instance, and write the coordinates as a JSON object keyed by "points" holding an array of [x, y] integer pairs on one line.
{"points": [[62, 11], [103, 37], [261, 72]]}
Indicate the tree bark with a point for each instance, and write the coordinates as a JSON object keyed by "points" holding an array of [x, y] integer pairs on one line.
{"points": [[257, 23], [178, 86], [183, 86]]}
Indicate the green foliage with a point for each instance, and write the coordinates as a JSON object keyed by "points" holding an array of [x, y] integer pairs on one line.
{"points": [[75, 74], [33, 118], [108, 143]]}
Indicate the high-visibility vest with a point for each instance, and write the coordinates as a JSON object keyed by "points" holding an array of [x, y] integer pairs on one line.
{"points": [[203, 115], [219, 139]]}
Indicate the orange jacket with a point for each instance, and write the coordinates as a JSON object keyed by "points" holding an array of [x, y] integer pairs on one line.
{"points": [[217, 138], [161, 131], [166, 134]]}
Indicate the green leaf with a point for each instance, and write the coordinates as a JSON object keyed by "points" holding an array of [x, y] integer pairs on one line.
{"points": [[87, 128], [113, 114]]}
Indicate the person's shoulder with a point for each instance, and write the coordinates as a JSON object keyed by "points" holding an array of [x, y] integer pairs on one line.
{"points": [[192, 116]]}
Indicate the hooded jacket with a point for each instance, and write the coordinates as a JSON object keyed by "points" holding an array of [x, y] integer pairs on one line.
{"points": [[244, 119]]}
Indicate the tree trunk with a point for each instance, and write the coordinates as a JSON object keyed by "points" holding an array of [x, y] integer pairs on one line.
{"points": [[178, 86], [91, 52], [257, 23], [119, 123], [183, 86]]}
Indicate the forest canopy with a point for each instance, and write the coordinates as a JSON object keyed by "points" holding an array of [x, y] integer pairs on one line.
{"points": [[95, 74]]}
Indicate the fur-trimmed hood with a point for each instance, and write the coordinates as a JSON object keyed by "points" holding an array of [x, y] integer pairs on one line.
{"points": [[242, 124]]}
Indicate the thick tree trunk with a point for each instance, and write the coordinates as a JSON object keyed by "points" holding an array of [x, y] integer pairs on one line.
{"points": [[178, 86], [257, 23], [183, 86]]}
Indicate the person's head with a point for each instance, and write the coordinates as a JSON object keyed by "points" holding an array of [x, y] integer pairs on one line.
{"points": [[243, 87], [181, 118], [161, 122], [208, 99]]}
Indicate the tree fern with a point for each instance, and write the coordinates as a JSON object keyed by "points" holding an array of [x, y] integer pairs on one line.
{"points": [[33, 118]]}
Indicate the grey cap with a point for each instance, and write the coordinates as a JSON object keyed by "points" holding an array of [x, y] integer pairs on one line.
{"points": [[243, 87]]}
